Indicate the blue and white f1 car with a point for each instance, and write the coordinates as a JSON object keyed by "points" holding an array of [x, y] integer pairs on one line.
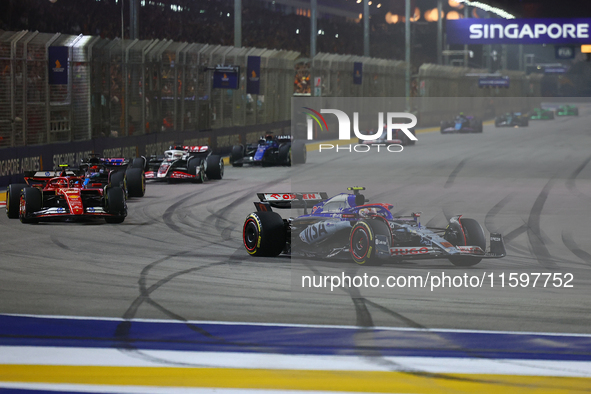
{"points": [[461, 124], [347, 224]]}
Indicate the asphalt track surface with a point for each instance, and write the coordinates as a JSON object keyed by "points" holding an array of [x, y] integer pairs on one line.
{"points": [[179, 254]]}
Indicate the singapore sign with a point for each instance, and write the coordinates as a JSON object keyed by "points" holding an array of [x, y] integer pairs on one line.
{"points": [[519, 31]]}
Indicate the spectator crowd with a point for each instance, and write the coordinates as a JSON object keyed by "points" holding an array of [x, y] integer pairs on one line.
{"points": [[264, 25]]}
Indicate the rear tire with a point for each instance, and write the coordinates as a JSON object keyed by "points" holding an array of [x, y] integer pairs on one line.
{"points": [[115, 205], [136, 182], [362, 241], [237, 155], [31, 201], [264, 234], [299, 152], [13, 196], [139, 162], [470, 234], [215, 167], [284, 155]]}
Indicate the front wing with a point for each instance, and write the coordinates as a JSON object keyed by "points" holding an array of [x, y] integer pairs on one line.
{"points": [[440, 250]]}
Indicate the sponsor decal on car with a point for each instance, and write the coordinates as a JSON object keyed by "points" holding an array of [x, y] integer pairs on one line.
{"points": [[403, 251]]}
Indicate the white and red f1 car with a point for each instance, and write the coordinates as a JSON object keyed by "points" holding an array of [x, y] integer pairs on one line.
{"points": [[194, 163]]}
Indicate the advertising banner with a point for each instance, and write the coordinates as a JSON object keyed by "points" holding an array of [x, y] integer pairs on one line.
{"points": [[253, 72], [486, 82], [357, 73], [518, 31], [58, 65], [225, 80]]}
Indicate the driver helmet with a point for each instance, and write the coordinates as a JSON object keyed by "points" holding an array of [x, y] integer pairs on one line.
{"points": [[94, 171]]}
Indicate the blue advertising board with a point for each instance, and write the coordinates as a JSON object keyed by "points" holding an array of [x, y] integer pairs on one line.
{"points": [[490, 82], [357, 73], [226, 79], [58, 65], [253, 72], [518, 31]]}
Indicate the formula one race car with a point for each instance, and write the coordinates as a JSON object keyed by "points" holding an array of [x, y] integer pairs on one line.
{"points": [[368, 233], [125, 173], [271, 150], [63, 195], [512, 119], [461, 124], [193, 163], [398, 137], [541, 114], [567, 110]]}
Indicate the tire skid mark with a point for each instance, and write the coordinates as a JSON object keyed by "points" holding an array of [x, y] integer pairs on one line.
{"points": [[571, 181], [454, 173], [534, 231], [494, 211], [569, 242], [58, 242]]}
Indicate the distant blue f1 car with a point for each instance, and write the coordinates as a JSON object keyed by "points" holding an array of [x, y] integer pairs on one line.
{"points": [[461, 124], [271, 150], [369, 233]]}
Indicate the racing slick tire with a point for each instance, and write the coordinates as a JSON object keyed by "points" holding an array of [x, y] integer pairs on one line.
{"points": [[237, 155], [443, 125], [299, 153], [31, 200], [139, 162], [362, 241], [471, 234], [525, 122], [13, 196], [263, 234], [195, 166], [115, 205], [136, 182], [215, 167], [285, 154], [497, 122]]}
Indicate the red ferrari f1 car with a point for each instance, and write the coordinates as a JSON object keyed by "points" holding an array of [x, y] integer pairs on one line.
{"points": [[64, 195]]}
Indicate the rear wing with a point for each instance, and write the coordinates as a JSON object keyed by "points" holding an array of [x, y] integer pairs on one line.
{"points": [[289, 200], [48, 174]]}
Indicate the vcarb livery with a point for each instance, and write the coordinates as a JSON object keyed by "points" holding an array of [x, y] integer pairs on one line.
{"points": [[347, 225], [519, 31]]}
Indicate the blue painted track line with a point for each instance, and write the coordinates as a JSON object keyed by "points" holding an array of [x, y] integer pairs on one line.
{"points": [[284, 339]]}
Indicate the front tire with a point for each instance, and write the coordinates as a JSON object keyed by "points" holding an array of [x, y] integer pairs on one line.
{"points": [[362, 241], [237, 155], [31, 200], [469, 233], [13, 196], [264, 234]]}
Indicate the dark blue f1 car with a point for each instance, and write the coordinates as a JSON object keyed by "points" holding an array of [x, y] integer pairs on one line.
{"points": [[347, 224], [271, 150]]}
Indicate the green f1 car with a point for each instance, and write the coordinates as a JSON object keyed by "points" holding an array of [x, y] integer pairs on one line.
{"points": [[541, 114], [567, 110]]}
